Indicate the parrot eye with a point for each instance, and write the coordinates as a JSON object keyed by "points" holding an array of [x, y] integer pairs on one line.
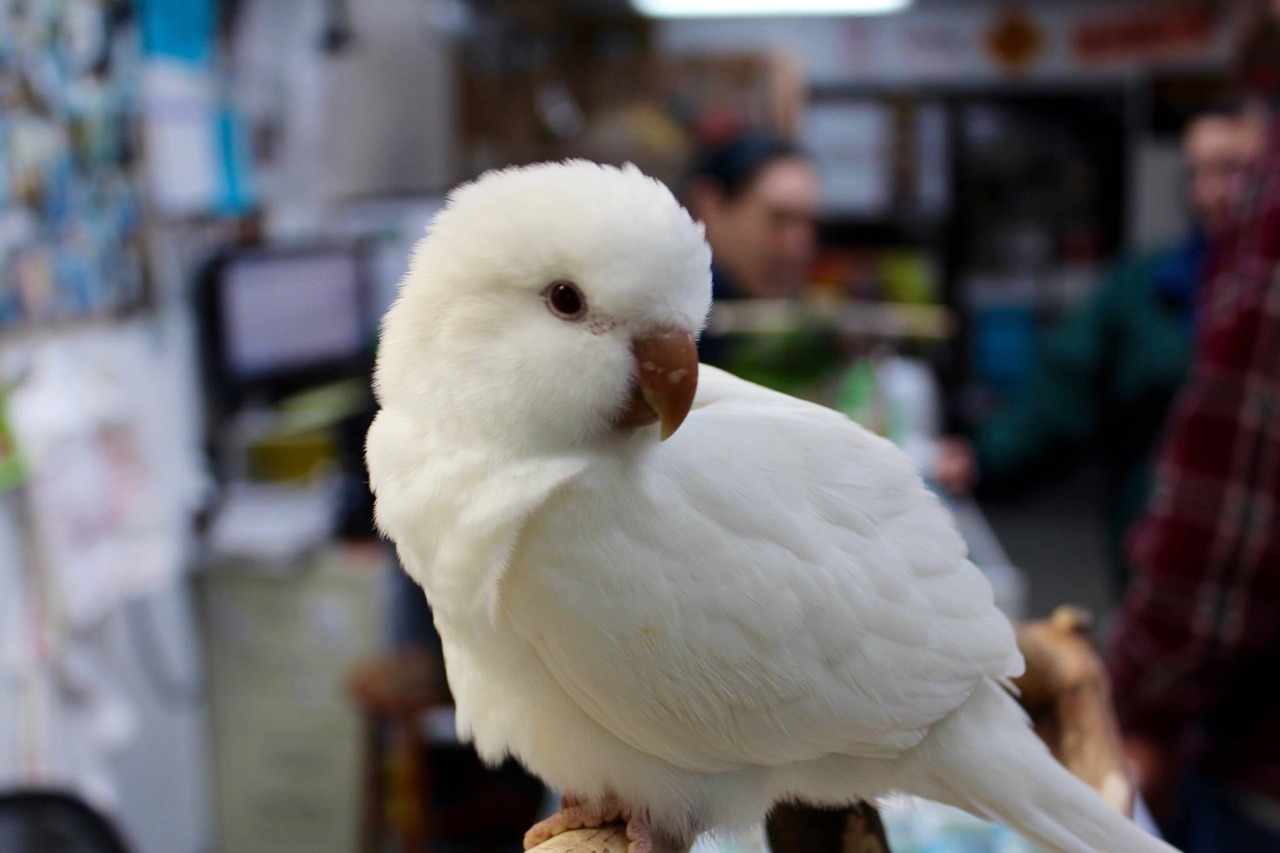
{"points": [[565, 300]]}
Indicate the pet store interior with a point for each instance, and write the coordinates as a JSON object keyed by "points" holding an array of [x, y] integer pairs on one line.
{"points": [[977, 228]]}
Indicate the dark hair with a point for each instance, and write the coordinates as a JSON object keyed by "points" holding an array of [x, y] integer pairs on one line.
{"points": [[732, 166]]}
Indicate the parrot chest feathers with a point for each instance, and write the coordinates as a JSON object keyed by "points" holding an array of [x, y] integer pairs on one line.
{"points": [[456, 515]]}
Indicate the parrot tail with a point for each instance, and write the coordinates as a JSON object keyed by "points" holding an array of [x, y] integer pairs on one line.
{"points": [[985, 758]]}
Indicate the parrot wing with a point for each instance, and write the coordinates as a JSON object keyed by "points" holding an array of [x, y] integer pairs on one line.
{"points": [[771, 585]]}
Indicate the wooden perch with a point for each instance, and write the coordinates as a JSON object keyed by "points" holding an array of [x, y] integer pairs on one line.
{"points": [[609, 839], [1065, 691], [792, 829]]}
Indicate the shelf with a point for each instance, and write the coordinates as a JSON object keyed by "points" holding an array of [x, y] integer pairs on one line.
{"points": [[855, 318], [835, 229]]}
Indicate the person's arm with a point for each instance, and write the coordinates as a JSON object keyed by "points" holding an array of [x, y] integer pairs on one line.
{"points": [[1057, 410]]}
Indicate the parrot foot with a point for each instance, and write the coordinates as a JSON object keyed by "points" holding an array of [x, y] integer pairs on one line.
{"points": [[579, 815], [640, 836]]}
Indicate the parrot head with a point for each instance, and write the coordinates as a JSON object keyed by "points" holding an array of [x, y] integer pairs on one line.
{"points": [[550, 305]]}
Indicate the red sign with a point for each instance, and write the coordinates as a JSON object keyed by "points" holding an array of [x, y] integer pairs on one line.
{"points": [[1152, 31]]}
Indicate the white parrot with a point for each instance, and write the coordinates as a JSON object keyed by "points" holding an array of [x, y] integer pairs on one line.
{"points": [[677, 628]]}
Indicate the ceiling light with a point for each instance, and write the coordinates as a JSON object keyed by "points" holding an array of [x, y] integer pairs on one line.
{"points": [[758, 8]]}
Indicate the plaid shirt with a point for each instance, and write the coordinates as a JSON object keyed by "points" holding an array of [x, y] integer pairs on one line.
{"points": [[1196, 650]]}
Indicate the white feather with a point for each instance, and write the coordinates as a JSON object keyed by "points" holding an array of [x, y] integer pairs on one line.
{"points": [[768, 605]]}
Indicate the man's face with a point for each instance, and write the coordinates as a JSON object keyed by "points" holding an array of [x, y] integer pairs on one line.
{"points": [[768, 230], [1219, 150]]}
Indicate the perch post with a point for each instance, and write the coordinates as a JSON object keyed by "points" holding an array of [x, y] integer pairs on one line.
{"points": [[607, 839], [792, 829], [795, 828]]}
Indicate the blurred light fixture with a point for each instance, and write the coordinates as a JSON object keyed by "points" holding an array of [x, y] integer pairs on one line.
{"points": [[759, 8]]}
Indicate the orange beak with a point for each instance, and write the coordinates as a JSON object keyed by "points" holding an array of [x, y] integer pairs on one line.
{"points": [[666, 378]]}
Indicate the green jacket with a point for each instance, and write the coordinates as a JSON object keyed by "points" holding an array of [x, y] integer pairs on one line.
{"points": [[1101, 388]]}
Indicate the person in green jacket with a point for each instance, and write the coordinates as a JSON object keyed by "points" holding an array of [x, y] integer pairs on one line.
{"points": [[1108, 373]]}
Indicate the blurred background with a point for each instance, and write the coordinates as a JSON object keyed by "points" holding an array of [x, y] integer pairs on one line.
{"points": [[973, 226]]}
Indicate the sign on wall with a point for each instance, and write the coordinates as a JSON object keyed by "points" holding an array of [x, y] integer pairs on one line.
{"points": [[1145, 32], [1014, 41]]}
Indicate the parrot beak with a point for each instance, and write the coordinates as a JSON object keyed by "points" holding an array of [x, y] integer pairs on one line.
{"points": [[666, 377]]}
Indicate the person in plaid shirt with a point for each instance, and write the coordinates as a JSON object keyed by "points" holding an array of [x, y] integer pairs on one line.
{"points": [[1195, 661]]}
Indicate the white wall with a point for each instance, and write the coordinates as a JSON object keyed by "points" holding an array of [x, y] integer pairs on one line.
{"points": [[390, 107], [373, 118]]}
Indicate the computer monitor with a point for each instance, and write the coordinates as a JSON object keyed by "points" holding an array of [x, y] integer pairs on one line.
{"points": [[292, 312], [278, 320]]}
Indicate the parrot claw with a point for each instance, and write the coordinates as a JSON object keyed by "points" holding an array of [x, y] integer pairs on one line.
{"points": [[639, 836], [578, 815]]}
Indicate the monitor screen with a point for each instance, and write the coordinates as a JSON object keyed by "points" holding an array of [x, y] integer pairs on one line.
{"points": [[292, 312]]}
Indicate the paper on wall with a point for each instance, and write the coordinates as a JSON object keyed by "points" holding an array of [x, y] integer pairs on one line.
{"points": [[106, 526]]}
